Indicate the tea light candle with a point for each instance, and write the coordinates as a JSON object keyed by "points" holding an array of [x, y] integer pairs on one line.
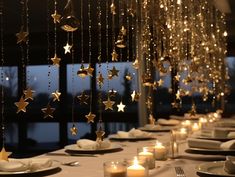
{"points": [[136, 170], [149, 157], [160, 151], [195, 127], [114, 169], [202, 122], [182, 134]]}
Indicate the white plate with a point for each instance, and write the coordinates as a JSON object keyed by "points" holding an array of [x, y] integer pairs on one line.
{"points": [[211, 138], [116, 137], [28, 172], [213, 168], [73, 148], [211, 151], [158, 128]]}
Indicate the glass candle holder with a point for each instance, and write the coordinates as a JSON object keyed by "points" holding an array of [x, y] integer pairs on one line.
{"points": [[137, 167], [173, 149], [148, 153], [160, 151], [115, 169]]}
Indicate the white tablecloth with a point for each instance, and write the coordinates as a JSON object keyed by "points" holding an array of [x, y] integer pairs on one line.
{"points": [[92, 166]]}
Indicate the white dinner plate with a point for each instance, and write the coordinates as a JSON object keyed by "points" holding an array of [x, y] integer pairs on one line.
{"points": [[211, 151], [158, 128], [28, 172], [118, 138], [73, 148], [213, 169], [211, 138]]}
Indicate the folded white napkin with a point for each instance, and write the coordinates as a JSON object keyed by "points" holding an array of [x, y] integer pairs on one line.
{"points": [[228, 145], [13, 166], [87, 144], [168, 122], [204, 144], [133, 133], [231, 135], [31, 164], [123, 134], [104, 144], [220, 133], [229, 165]]}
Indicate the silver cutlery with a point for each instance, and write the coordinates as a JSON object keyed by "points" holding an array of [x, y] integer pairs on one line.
{"points": [[179, 172]]}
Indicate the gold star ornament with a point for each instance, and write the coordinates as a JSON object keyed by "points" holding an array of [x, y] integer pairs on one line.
{"points": [[48, 111], [28, 94], [67, 48], [56, 17], [121, 107], [114, 55], [56, 95], [22, 36], [99, 135], [135, 96], [135, 64], [100, 80], [152, 120], [90, 117], [83, 98], [82, 72], [56, 60], [90, 70], [21, 105], [113, 9], [74, 130], [4, 155], [108, 104]]}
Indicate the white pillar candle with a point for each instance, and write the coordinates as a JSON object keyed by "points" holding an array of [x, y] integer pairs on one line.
{"points": [[136, 170], [149, 157], [160, 151]]}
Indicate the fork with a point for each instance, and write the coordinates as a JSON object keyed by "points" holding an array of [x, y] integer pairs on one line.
{"points": [[179, 172]]}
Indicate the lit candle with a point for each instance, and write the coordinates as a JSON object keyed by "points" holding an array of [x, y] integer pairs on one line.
{"points": [[202, 122], [195, 127], [160, 151], [149, 157], [136, 170], [115, 170], [182, 134]]}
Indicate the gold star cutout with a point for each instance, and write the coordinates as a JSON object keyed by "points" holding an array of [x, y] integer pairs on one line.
{"points": [[128, 77], [109, 104], [28, 94], [4, 155], [113, 9], [177, 77], [90, 117], [121, 107], [135, 96], [135, 64], [175, 105], [152, 120], [56, 17], [114, 55], [56, 60], [21, 105], [112, 93], [99, 135], [123, 31], [90, 70], [160, 82], [114, 71], [177, 95], [48, 111], [155, 85], [56, 95], [22, 36], [83, 98], [67, 48], [74, 130], [100, 79]]}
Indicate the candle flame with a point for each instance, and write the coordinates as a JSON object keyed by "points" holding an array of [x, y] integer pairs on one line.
{"points": [[145, 149], [158, 144], [135, 162], [183, 130]]}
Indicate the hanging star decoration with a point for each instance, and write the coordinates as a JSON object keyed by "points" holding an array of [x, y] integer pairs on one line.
{"points": [[21, 105], [99, 135], [135, 96], [83, 98], [135, 64], [56, 95], [113, 9], [149, 102], [160, 82], [112, 93], [114, 55], [22, 36], [114, 72], [100, 80], [108, 104], [123, 31], [73, 130], [56, 60], [177, 77], [4, 155], [178, 95], [90, 70], [28, 94], [90, 117], [67, 48], [82, 72], [175, 105], [155, 85], [121, 107], [48, 111], [128, 77], [56, 17], [152, 120]]}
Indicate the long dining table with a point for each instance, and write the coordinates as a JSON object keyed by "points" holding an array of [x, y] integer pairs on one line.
{"points": [[91, 165]]}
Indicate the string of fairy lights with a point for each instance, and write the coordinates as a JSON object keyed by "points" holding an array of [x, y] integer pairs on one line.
{"points": [[160, 36]]}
